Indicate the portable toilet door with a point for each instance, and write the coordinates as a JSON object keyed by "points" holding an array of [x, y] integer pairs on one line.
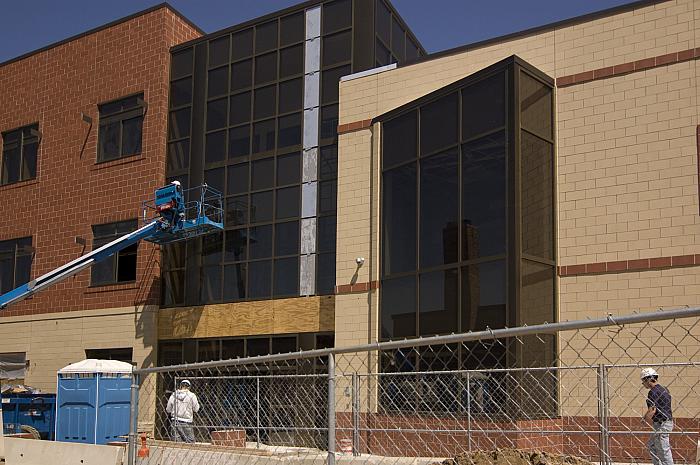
{"points": [[91, 398]]}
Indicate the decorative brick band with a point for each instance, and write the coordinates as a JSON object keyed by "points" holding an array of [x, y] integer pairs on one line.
{"points": [[643, 264], [354, 126], [631, 67], [357, 287]]}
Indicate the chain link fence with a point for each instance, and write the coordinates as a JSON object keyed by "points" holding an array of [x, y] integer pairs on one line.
{"points": [[570, 389]]}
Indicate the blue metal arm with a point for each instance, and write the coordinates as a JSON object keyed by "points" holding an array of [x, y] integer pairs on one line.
{"points": [[79, 264]]}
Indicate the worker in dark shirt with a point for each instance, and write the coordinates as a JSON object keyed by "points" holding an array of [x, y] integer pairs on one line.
{"points": [[660, 415]]}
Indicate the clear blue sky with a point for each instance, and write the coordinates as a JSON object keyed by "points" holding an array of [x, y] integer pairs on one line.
{"points": [[438, 24]]}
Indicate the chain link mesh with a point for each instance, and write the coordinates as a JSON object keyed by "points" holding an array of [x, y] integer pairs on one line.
{"points": [[568, 392]]}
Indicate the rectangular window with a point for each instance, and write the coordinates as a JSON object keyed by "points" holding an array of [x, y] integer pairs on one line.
{"points": [[120, 267], [20, 148], [121, 128], [15, 263], [122, 354], [13, 366]]}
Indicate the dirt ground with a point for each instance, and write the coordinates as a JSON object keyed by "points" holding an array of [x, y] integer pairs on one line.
{"points": [[514, 457]]}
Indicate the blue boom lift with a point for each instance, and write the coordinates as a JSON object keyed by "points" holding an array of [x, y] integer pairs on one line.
{"points": [[170, 217]]}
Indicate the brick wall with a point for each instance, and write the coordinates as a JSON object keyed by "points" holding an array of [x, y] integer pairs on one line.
{"points": [[71, 192]]}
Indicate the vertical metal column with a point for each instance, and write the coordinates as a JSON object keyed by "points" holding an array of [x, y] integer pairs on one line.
{"points": [[469, 414], [133, 419], [331, 409], [257, 411], [603, 444], [355, 414]]}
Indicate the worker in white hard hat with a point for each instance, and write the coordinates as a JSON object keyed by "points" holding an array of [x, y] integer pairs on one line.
{"points": [[660, 415], [182, 406]]}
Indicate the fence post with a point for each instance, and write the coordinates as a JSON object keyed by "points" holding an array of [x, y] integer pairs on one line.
{"points": [[257, 411], [331, 409], [355, 415], [133, 419], [469, 414], [603, 445]]}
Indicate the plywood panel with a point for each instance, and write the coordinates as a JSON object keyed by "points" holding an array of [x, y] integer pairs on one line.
{"points": [[282, 316]]}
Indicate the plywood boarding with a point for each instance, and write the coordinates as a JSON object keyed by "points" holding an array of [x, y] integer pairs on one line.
{"points": [[281, 316]]}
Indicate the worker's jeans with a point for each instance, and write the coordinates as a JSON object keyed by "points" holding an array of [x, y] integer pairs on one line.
{"points": [[182, 431], [659, 445]]}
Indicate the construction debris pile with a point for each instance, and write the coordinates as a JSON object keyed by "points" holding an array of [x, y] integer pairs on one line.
{"points": [[513, 457]]}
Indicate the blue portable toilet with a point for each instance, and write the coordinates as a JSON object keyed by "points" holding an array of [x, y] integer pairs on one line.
{"points": [[93, 401]]}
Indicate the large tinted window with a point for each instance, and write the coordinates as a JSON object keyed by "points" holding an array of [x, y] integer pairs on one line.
{"points": [[20, 148]]}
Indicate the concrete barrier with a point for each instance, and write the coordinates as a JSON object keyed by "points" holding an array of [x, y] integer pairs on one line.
{"points": [[33, 452]]}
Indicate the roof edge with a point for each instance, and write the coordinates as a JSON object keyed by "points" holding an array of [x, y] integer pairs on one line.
{"points": [[533, 30], [124, 19]]}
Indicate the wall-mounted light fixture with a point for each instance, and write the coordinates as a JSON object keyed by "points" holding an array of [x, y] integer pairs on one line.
{"points": [[86, 118]]}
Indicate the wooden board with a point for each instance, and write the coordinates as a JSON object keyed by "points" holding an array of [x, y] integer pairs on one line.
{"points": [[281, 316]]}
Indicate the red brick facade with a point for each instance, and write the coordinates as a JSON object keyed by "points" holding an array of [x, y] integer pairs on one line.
{"points": [[71, 191]]}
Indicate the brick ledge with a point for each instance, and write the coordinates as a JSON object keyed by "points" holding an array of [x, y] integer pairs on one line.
{"points": [[621, 266]]}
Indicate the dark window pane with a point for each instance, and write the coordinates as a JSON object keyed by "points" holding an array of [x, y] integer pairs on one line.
{"points": [[233, 348], [536, 106], [484, 296], [215, 149], [236, 245], [439, 207], [336, 15], [286, 277], [289, 130], [239, 109], [242, 44], [398, 37], [287, 205], [266, 36], [291, 95], [242, 75], [439, 124], [326, 233], [181, 92], [328, 162], [483, 106], [484, 197], [178, 156], [398, 308], [325, 273], [218, 51], [11, 165], [266, 68], [288, 169], [383, 55], [412, 50], [103, 272], [337, 48], [216, 114], [179, 126], [283, 345], [292, 29], [237, 210], [23, 263], [329, 122], [264, 136], [437, 310], [259, 279], [174, 255], [29, 155], [181, 64], [234, 289], [210, 284], [261, 207], [260, 241], [131, 135], [218, 82], [265, 102], [263, 174], [173, 288], [399, 140], [399, 221], [258, 346], [237, 178], [212, 249], [208, 350], [215, 178], [327, 196], [383, 22], [287, 238], [239, 141], [109, 145], [291, 61], [537, 196], [329, 83]]}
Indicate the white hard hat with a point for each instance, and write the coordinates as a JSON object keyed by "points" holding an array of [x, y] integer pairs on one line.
{"points": [[186, 381], [177, 183], [648, 372]]}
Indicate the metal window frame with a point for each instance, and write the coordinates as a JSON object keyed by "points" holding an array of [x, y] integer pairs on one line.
{"points": [[120, 117], [21, 143]]}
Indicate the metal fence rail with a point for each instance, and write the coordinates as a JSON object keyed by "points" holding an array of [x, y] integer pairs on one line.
{"points": [[569, 388]]}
